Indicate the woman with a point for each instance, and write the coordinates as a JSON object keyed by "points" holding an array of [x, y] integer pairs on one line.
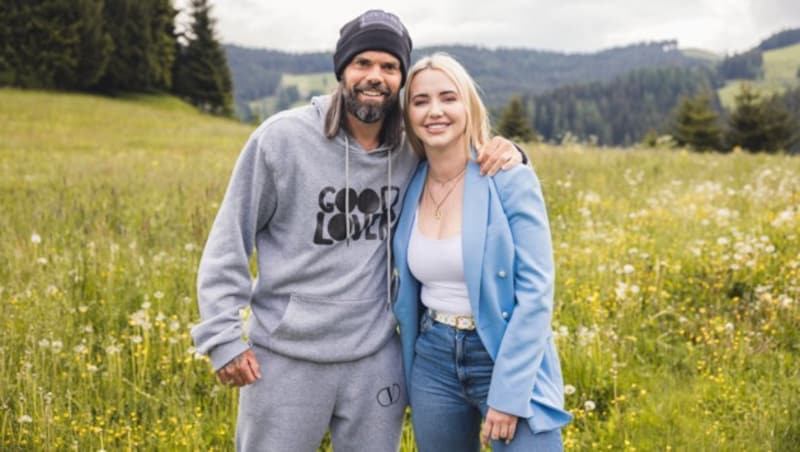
{"points": [[475, 269]]}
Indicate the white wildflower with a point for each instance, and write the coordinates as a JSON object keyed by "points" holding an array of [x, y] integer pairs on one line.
{"points": [[569, 389], [24, 419], [44, 343], [621, 290], [589, 405], [563, 331], [136, 339], [628, 269], [42, 261], [158, 295], [141, 319], [56, 346], [36, 238]]}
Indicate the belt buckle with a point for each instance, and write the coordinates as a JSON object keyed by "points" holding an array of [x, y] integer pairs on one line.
{"points": [[464, 322]]}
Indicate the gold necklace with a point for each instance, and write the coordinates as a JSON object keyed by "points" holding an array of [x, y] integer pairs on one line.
{"points": [[437, 211]]}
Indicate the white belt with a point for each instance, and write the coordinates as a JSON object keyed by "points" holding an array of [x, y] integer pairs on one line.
{"points": [[459, 322]]}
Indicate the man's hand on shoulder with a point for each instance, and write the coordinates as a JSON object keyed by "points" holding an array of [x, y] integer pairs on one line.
{"points": [[498, 153]]}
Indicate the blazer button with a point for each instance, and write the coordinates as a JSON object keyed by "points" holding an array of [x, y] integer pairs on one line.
{"points": [[501, 274], [505, 315]]}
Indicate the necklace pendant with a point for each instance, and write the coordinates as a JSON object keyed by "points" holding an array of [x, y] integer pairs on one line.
{"points": [[437, 214]]}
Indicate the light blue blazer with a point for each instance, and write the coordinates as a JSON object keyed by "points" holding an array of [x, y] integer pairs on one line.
{"points": [[508, 268]]}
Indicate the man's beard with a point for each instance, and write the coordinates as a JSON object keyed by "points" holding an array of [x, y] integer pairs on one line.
{"points": [[367, 111]]}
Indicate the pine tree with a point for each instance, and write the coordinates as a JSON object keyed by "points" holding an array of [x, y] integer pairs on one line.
{"points": [[761, 125], [514, 122], [53, 44], [144, 44], [201, 72], [695, 124]]}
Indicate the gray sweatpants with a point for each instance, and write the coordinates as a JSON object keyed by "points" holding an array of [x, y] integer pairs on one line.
{"points": [[293, 404]]}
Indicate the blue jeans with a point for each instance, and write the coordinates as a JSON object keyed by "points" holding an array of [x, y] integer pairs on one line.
{"points": [[448, 390]]}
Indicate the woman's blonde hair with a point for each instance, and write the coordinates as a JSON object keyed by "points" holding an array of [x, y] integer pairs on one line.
{"points": [[478, 127]]}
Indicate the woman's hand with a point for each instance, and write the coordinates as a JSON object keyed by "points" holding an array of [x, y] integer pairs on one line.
{"points": [[497, 426]]}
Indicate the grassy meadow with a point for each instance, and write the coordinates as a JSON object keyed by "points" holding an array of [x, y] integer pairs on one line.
{"points": [[677, 302]]}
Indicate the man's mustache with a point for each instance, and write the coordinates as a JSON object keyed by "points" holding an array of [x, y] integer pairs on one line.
{"points": [[372, 87]]}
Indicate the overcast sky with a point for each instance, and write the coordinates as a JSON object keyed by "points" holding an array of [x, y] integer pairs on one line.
{"points": [[560, 25]]}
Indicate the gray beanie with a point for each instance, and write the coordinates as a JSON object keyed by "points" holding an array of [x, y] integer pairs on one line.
{"points": [[373, 30]]}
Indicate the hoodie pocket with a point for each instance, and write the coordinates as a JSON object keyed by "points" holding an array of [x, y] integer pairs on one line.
{"points": [[323, 329]]}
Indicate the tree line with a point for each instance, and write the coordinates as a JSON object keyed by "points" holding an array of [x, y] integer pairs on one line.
{"points": [[758, 123], [680, 103], [114, 46]]}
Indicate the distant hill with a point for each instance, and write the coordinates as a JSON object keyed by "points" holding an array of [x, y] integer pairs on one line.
{"points": [[612, 97], [771, 67], [257, 73]]}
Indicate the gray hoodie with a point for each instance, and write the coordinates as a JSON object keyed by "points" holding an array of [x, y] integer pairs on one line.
{"points": [[319, 295]]}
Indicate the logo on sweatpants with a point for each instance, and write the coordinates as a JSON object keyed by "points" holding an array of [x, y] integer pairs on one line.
{"points": [[389, 395], [368, 213]]}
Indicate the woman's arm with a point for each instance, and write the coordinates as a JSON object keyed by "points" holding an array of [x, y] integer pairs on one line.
{"points": [[523, 345]]}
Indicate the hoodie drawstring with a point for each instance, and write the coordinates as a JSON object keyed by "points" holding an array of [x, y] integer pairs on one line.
{"points": [[389, 233], [347, 189]]}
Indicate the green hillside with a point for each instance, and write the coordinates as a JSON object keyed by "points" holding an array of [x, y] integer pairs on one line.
{"points": [[306, 85], [51, 122], [676, 310], [782, 64], [701, 54], [780, 73]]}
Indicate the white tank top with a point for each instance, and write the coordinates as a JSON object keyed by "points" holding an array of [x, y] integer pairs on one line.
{"points": [[438, 265]]}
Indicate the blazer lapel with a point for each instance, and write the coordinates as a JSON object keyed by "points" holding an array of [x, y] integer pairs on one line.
{"points": [[404, 225], [473, 231]]}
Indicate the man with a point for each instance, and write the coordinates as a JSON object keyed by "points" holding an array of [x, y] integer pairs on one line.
{"points": [[316, 192]]}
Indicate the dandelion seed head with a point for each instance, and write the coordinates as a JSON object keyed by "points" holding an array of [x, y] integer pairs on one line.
{"points": [[24, 419], [158, 295], [36, 238], [569, 389], [589, 405]]}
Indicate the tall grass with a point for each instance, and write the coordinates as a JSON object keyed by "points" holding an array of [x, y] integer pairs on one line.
{"points": [[676, 317]]}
